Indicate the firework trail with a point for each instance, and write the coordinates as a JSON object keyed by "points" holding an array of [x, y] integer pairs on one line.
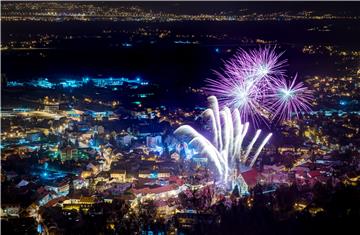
{"points": [[230, 132]]}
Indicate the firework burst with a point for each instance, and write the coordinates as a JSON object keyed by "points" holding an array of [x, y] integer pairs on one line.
{"points": [[289, 98], [254, 83]]}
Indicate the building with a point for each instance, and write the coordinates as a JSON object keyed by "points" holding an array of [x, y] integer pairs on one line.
{"points": [[86, 174], [163, 208], [189, 219], [200, 161], [51, 107], [10, 210], [246, 180], [153, 141], [158, 192], [81, 182], [60, 188], [99, 115], [118, 176], [124, 140], [45, 197], [69, 153], [82, 203], [94, 167], [145, 174], [33, 136], [162, 174], [118, 188]]}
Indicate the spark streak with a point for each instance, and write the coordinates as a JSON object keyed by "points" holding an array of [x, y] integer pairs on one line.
{"points": [[231, 135]]}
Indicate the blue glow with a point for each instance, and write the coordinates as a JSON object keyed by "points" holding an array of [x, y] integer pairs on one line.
{"points": [[84, 129], [15, 84], [99, 114], [22, 110], [182, 42], [23, 141], [126, 45], [153, 175], [39, 228], [73, 83], [142, 95], [34, 147], [42, 82], [85, 79], [217, 50], [343, 102]]}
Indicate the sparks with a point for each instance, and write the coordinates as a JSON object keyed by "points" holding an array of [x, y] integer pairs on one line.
{"points": [[249, 83], [226, 149], [289, 98]]}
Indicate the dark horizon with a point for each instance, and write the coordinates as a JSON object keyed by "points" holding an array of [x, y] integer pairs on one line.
{"points": [[188, 7]]}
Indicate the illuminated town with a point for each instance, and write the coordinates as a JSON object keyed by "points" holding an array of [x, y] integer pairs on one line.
{"points": [[180, 118]]}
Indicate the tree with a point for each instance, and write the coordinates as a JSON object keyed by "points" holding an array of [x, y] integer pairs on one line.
{"points": [[236, 192], [146, 213]]}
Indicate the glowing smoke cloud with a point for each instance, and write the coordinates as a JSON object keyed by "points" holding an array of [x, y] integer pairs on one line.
{"points": [[249, 83], [229, 133]]}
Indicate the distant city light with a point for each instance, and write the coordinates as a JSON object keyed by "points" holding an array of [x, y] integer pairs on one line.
{"points": [[343, 102], [126, 45], [73, 83]]}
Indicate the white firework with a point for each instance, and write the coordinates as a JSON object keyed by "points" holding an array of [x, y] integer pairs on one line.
{"points": [[226, 148]]}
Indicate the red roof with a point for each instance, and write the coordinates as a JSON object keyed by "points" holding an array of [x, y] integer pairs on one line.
{"points": [[156, 190], [55, 201], [176, 179], [41, 190], [160, 203], [250, 177], [314, 174]]}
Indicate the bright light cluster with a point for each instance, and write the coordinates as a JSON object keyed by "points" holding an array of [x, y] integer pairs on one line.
{"points": [[226, 148], [290, 98], [254, 82]]}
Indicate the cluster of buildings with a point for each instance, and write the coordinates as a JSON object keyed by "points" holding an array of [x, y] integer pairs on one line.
{"points": [[72, 83], [76, 159]]}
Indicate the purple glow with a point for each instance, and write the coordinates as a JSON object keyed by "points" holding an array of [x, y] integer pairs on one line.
{"points": [[289, 98], [249, 81]]}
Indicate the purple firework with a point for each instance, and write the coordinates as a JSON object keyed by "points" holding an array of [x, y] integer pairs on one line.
{"points": [[246, 95], [261, 63], [248, 83], [289, 98]]}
